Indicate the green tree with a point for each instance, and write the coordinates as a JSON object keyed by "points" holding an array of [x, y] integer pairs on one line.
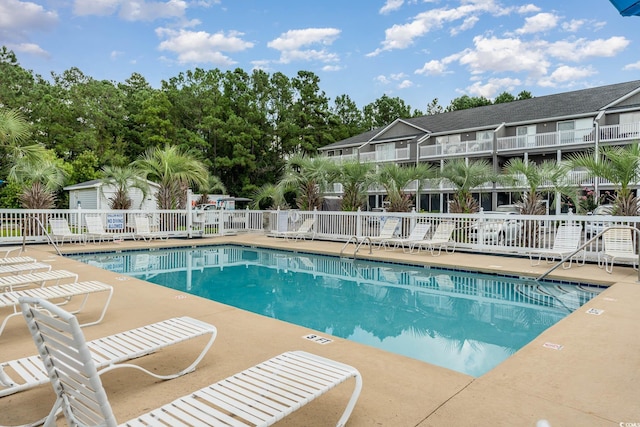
{"points": [[395, 179], [175, 170], [618, 165], [504, 97], [38, 181], [355, 178], [434, 107], [346, 119], [307, 178], [465, 102], [124, 179], [384, 111], [465, 176]]}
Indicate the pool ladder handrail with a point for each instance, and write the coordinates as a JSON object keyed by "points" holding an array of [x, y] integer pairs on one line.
{"points": [[584, 245], [359, 243]]}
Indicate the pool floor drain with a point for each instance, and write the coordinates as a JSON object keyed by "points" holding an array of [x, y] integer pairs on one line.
{"points": [[317, 338]]}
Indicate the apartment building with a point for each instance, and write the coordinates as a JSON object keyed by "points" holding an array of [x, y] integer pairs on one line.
{"points": [[542, 128]]}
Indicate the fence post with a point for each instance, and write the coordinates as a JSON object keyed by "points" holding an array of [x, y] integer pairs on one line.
{"points": [[189, 215], [358, 223]]}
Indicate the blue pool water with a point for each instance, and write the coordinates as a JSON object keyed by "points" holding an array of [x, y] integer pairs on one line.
{"points": [[463, 321]]}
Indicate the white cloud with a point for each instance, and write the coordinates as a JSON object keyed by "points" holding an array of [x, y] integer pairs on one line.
{"points": [[405, 84], [131, 10], [633, 66], [401, 36], [564, 74], [580, 49], [30, 48], [506, 55], [18, 19], [493, 87], [432, 68], [330, 68], [467, 24], [574, 25], [115, 54], [538, 23], [382, 79], [390, 6], [528, 8], [291, 44], [202, 47]]}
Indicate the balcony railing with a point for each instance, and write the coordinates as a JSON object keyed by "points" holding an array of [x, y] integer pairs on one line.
{"points": [[547, 139], [623, 132], [385, 156], [456, 148]]}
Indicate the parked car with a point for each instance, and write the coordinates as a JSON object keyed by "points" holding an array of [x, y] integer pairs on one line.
{"points": [[496, 228], [596, 225]]}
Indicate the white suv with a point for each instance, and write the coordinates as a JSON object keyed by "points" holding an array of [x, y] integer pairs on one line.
{"points": [[597, 225]]}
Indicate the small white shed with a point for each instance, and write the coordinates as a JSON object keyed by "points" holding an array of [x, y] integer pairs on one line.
{"points": [[95, 194]]}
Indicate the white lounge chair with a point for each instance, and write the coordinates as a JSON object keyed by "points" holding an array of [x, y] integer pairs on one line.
{"points": [[387, 231], [62, 293], [304, 231], [419, 232], [261, 395], [16, 260], [24, 268], [441, 239], [60, 232], [39, 278], [565, 242], [143, 229], [618, 245], [110, 352], [95, 230]]}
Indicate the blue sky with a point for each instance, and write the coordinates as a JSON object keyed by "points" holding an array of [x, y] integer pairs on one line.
{"points": [[417, 50]]}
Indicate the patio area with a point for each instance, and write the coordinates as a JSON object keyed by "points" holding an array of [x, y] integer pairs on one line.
{"points": [[591, 380]]}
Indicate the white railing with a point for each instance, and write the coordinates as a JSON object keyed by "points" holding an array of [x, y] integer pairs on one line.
{"points": [[384, 156], [547, 139], [457, 148], [627, 131], [484, 232]]}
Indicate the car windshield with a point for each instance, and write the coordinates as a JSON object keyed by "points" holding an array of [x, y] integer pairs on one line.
{"points": [[603, 210]]}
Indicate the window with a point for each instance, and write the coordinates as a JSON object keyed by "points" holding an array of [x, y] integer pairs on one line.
{"points": [[565, 129], [386, 152], [526, 136]]}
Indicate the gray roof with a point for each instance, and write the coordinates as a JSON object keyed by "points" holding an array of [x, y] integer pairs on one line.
{"points": [[576, 103], [96, 183]]}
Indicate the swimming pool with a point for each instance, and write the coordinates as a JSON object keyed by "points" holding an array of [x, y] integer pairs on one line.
{"points": [[459, 320]]}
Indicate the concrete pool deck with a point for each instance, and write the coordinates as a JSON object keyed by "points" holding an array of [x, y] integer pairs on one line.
{"points": [[593, 380]]}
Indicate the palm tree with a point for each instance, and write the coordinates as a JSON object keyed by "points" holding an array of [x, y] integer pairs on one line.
{"points": [[465, 176], [620, 166], [270, 195], [534, 176], [39, 182], [14, 131], [395, 179], [123, 179], [213, 184], [307, 178], [175, 170], [355, 178]]}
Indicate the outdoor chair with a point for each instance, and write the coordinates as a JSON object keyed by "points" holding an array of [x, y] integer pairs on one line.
{"points": [[440, 239], [60, 232], [143, 229], [618, 245], [114, 351], [261, 395], [96, 231], [64, 293], [387, 231], [419, 232], [303, 232], [24, 268], [38, 278], [566, 241], [16, 260]]}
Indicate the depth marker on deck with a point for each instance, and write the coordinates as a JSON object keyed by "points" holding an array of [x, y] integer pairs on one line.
{"points": [[595, 311], [552, 346], [317, 338]]}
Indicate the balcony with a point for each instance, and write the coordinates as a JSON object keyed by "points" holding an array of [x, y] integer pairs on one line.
{"points": [[399, 154], [623, 132], [545, 140], [456, 148]]}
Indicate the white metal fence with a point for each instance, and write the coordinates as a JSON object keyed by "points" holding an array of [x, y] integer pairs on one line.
{"points": [[494, 233]]}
